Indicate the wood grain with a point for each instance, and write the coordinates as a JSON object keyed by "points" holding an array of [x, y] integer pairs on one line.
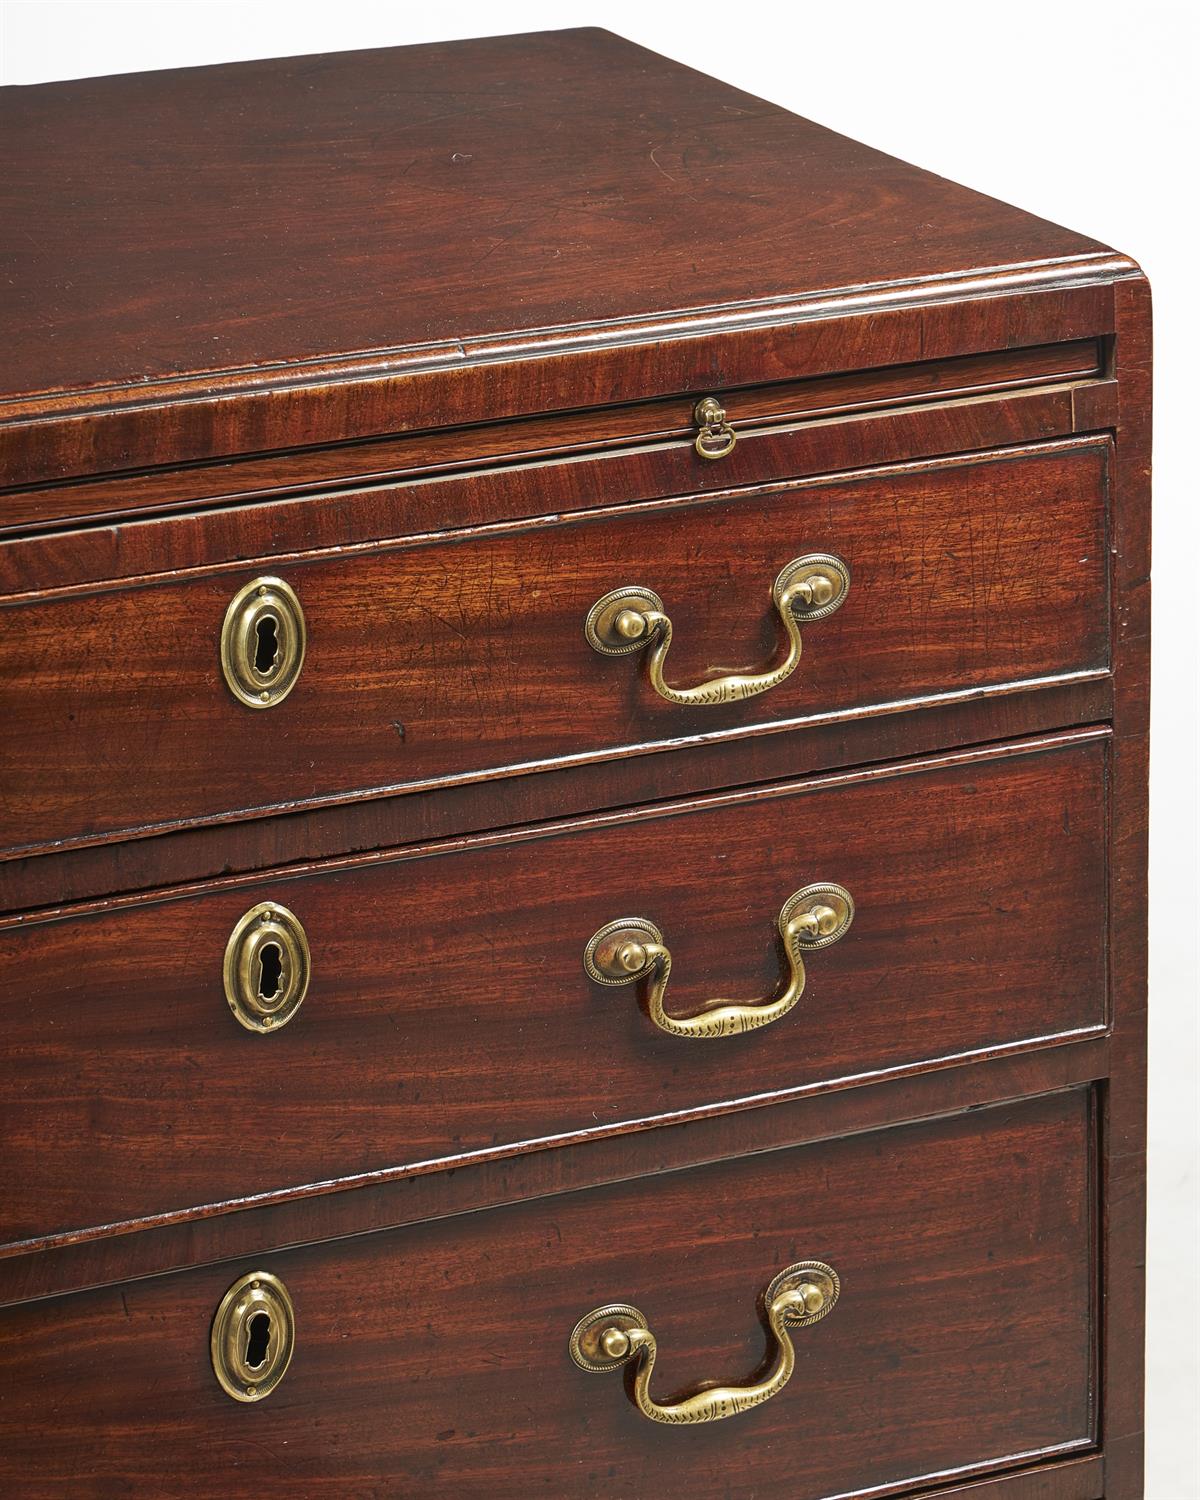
{"points": [[679, 770], [465, 655], [435, 1359], [238, 480], [449, 1012], [421, 329], [83, 558], [107, 1254], [186, 243], [1124, 1118]]}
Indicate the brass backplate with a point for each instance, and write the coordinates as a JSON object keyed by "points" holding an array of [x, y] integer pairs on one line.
{"points": [[263, 640], [253, 1335], [600, 956], [800, 569], [600, 627], [836, 897], [267, 967], [585, 1344], [818, 1274]]}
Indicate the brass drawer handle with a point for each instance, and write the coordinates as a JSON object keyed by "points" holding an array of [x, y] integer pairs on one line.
{"points": [[631, 618], [716, 438], [611, 1336], [632, 948], [263, 638]]}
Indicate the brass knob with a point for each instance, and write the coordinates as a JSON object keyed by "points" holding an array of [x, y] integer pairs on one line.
{"points": [[817, 590], [812, 1297], [630, 625], [819, 921], [615, 1342]]}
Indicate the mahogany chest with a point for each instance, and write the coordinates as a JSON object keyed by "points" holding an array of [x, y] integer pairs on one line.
{"points": [[572, 849]]}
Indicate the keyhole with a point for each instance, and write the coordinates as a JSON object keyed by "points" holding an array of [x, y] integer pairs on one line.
{"points": [[267, 644], [260, 1337], [270, 970]]}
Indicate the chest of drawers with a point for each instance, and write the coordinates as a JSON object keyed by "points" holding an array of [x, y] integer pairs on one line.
{"points": [[572, 852]]}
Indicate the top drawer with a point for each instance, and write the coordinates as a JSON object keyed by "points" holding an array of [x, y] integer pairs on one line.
{"points": [[463, 656]]}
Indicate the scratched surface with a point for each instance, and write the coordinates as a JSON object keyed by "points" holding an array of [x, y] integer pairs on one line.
{"points": [[433, 1361], [114, 716], [449, 1011], [226, 218]]}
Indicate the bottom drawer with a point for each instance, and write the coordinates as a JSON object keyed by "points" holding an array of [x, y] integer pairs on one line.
{"points": [[436, 1361]]}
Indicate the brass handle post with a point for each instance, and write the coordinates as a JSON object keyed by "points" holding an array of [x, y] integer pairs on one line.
{"points": [[632, 618], [618, 1334], [632, 949]]}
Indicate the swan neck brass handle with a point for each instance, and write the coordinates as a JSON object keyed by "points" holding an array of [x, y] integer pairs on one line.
{"points": [[617, 1334], [633, 618], [632, 948]]}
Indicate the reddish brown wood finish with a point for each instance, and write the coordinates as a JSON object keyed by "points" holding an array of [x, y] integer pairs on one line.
{"points": [[1016, 425], [688, 769], [449, 1012], [1124, 1118], [544, 437], [567, 195], [197, 1236], [574, 277], [426, 1359], [465, 656]]}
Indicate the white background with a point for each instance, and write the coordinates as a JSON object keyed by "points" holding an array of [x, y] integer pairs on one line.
{"points": [[1083, 113]]}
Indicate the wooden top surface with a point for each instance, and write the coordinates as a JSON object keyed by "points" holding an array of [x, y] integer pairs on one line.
{"points": [[267, 214]]}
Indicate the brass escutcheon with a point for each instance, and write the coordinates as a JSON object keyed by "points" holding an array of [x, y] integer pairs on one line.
{"points": [[253, 1335], [267, 967], [617, 1334], [262, 642]]}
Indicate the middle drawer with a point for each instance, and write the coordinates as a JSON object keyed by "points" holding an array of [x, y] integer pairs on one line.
{"points": [[158, 1058]]}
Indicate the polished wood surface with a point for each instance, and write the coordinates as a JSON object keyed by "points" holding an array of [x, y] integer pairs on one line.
{"points": [[106, 1254], [449, 1010], [1124, 1118], [548, 190], [719, 352], [466, 655], [678, 770], [430, 1359], [237, 480], [459, 1145], [83, 559]]}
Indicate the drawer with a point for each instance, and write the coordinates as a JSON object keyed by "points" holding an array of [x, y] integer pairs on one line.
{"points": [[462, 657], [448, 1011], [436, 1360]]}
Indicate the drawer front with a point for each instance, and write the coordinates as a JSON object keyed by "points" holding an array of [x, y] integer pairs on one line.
{"points": [[435, 1360], [449, 1011], [467, 655]]}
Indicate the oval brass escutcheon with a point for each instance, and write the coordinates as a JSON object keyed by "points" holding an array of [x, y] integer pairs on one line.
{"points": [[253, 1335], [267, 967], [262, 642]]}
